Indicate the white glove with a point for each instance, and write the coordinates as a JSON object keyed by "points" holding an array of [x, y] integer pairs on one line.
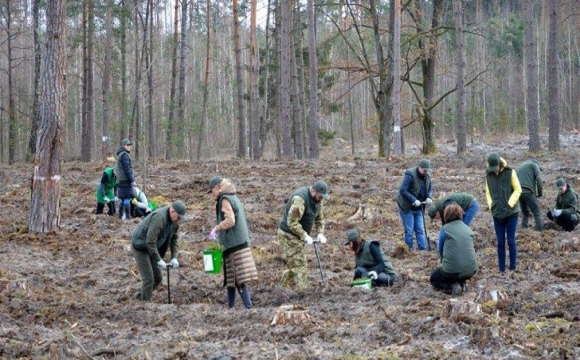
{"points": [[321, 238], [417, 203], [148, 209], [429, 201], [107, 200], [373, 275], [161, 264], [556, 212], [308, 240], [174, 263], [116, 199]]}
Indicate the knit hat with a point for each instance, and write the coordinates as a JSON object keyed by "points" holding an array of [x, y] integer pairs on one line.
{"points": [[321, 188], [560, 182], [179, 208], [351, 236], [213, 182], [493, 162]]}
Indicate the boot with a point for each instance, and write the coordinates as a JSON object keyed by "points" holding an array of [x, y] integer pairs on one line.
{"points": [[245, 295], [231, 297], [456, 290]]}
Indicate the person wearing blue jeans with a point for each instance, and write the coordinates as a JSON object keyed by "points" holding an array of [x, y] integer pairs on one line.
{"points": [[415, 191], [466, 201], [503, 190]]}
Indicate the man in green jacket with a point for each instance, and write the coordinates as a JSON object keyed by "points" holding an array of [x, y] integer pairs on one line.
{"points": [[106, 192], [150, 240], [370, 260], [567, 212], [532, 188], [304, 210]]}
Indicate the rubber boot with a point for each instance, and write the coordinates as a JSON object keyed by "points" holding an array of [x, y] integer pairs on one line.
{"points": [[456, 290], [245, 295], [231, 297]]}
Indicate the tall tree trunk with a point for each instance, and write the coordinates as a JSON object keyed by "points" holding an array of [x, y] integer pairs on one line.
{"points": [[11, 105], [35, 116], [182, 55], [45, 198], [151, 125], [265, 112], [554, 112], [88, 115], [239, 86], [254, 80], [312, 58], [396, 46], [277, 93], [125, 121], [107, 79], [285, 64], [294, 97], [172, 102], [301, 76], [205, 81], [136, 113], [461, 122], [532, 78]]}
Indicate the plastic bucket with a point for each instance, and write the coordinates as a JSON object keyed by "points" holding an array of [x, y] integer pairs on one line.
{"points": [[212, 261], [362, 283], [152, 206]]}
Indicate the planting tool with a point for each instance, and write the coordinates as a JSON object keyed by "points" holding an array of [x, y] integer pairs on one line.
{"points": [[322, 280], [168, 286]]}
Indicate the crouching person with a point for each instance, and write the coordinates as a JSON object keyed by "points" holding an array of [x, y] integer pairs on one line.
{"points": [[458, 259], [150, 241], [233, 235], [370, 260], [567, 212], [139, 204]]}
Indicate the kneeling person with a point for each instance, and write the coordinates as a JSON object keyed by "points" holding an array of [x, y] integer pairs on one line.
{"points": [[139, 204], [566, 213], [370, 260], [458, 259]]}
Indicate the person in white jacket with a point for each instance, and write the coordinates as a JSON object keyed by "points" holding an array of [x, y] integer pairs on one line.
{"points": [[139, 204]]}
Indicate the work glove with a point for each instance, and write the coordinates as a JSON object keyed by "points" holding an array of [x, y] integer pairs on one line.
{"points": [[161, 264], [429, 201], [556, 212], [212, 234], [417, 203], [308, 240], [116, 199], [148, 210], [134, 201], [373, 275], [174, 263], [107, 200], [321, 238]]}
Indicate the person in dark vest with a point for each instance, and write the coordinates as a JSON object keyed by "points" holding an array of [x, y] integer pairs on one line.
{"points": [[458, 260], [467, 202], [530, 177], [234, 237], [503, 190], [567, 212], [415, 191], [149, 243], [139, 204], [106, 192], [370, 260], [125, 179], [303, 212]]}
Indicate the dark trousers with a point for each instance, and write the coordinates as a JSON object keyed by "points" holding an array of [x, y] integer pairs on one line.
{"points": [[445, 282], [110, 205], [138, 212], [150, 274], [529, 203], [506, 229], [565, 220]]}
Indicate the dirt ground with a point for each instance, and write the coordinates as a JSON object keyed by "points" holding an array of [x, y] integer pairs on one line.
{"points": [[79, 281]]}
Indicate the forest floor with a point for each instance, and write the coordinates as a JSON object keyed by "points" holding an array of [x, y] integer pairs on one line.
{"points": [[70, 291]]}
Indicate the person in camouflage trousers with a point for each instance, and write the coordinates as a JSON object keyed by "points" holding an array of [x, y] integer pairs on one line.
{"points": [[303, 211]]}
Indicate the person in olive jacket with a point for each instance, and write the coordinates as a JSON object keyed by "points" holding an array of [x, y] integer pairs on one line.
{"points": [[567, 212], [150, 240], [503, 190], [234, 237], [458, 259], [467, 202], [530, 177], [370, 260]]}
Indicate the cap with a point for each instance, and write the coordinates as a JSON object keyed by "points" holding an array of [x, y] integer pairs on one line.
{"points": [[126, 142], [425, 164], [493, 162], [560, 182], [351, 236], [179, 208], [432, 211], [213, 182], [321, 188]]}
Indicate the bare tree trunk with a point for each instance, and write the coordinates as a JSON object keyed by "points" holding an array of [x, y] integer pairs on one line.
{"points": [[312, 58], [254, 80], [240, 88], [277, 93], [125, 121], [169, 133], [151, 126], [11, 105], [532, 78], [45, 198], [285, 64], [88, 116], [265, 116], [294, 99], [107, 79], [396, 46], [181, 96], [205, 81], [461, 121], [136, 114], [35, 116], [554, 113], [301, 77]]}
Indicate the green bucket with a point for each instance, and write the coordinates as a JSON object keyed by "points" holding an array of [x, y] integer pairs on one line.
{"points": [[362, 283], [152, 206], [212, 261]]}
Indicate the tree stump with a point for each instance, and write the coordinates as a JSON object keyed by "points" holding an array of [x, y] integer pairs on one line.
{"points": [[292, 315], [490, 298], [461, 310], [364, 213], [567, 246], [11, 285]]}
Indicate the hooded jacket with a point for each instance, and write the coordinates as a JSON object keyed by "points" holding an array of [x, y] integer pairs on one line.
{"points": [[124, 167], [503, 191]]}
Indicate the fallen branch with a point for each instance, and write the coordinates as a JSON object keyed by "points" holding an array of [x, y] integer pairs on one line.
{"points": [[81, 346], [106, 351]]}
